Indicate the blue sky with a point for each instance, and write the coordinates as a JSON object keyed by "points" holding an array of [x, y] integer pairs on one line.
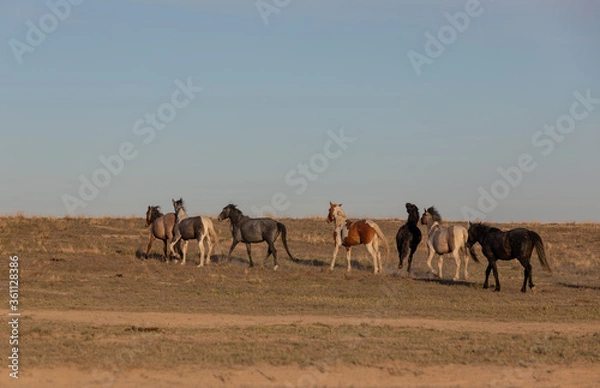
{"points": [[272, 94]]}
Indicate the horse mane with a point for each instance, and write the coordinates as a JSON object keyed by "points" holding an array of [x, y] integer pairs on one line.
{"points": [[490, 228], [233, 208], [155, 213], [341, 211], [435, 214]]}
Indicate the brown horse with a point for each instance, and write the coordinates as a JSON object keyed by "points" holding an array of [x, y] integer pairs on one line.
{"points": [[348, 234], [161, 227]]}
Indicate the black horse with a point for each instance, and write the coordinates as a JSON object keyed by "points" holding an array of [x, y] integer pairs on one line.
{"points": [[254, 230], [498, 245], [409, 236]]}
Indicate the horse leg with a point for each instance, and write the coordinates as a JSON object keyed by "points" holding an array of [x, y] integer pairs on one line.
{"points": [[184, 249], [457, 260], [273, 251], [495, 270], [201, 249], [430, 254], [210, 246], [410, 258], [378, 253], [440, 265], [373, 253], [466, 255], [348, 257], [487, 275], [249, 250], [526, 274], [335, 252], [171, 248], [233, 244], [152, 238], [165, 244]]}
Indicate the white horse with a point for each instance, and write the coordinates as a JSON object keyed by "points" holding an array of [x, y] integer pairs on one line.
{"points": [[194, 228], [442, 240], [348, 234]]}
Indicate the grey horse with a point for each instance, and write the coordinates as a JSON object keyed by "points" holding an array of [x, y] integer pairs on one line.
{"points": [[254, 230], [193, 228]]}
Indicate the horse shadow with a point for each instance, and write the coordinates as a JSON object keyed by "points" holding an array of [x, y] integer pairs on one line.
{"points": [[579, 286], [445, 282], [354, 264]]}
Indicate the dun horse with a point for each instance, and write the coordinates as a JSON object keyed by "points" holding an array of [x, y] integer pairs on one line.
{"points": [[161, 227], [440, 240], [193, 228], [254, 230], [409, 236], [498, 245], [348, 234]]}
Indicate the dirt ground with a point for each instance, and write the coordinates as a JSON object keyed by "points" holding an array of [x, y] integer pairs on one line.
{"points": [[401, 374], [96, 314]]}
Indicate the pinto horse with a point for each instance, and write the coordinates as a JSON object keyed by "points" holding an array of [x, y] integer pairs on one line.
{"points": [[441, 240], [193, 228], [498, 245], [349, 233]]}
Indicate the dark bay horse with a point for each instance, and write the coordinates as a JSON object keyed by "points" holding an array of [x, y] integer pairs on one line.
{"points": [[409, 236], [359, 232], [161, 227], [193, 228], [442, 240], [513, 244], [254, 230]]}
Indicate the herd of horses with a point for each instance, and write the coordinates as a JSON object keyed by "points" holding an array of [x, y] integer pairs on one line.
{"points": [[177, 227]]}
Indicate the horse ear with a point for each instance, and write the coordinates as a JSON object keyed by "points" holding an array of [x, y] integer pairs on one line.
{"points": [[470, 223], [340, 205], [330, 204]]}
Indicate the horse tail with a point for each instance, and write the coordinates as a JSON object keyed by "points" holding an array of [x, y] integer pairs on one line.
{"points": [[381, 236], [210, 230], [539, 248], [469, 248], [281, 227]]}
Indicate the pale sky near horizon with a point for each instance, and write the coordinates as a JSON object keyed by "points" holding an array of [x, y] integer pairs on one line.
{"points": [[270, 98]]}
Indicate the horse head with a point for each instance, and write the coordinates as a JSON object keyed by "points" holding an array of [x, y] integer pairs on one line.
{"points": [[413, 212], [334, 210], [152, 214], [177, 205], [228, 211]]}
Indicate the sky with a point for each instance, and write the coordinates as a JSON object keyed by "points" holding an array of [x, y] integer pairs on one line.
{"points": [[488, 110]]}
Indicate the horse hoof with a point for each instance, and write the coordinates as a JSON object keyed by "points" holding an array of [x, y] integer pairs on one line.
{"points": [[275, 268]]}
